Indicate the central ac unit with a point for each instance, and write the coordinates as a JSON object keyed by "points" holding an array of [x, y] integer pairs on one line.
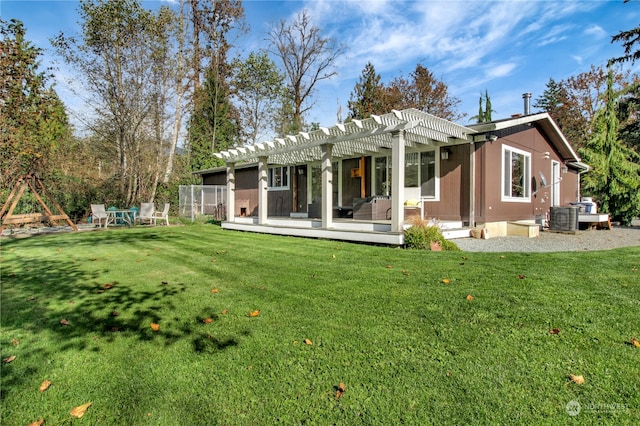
{"points": [[564, 219]]}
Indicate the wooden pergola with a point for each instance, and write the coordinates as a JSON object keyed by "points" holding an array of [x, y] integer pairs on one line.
{"points": [[392, 132]]}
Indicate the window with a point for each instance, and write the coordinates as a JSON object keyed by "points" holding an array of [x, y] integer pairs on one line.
{"points": [[420, 171], [278, 178], [428, 174], [516, 174]]}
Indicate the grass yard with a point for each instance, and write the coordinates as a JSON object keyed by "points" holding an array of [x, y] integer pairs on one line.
{"points": [[396, 327]]}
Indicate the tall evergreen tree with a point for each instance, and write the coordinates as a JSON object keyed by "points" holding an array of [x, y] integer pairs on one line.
{"points": [[366, 97], [214, 124], [614, 180], [33, 122]]}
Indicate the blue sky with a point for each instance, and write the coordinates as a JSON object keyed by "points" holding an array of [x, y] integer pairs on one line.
{"points": [[505, 47]]}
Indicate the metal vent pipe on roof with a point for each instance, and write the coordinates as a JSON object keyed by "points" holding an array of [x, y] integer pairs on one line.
{"points": [[527, 103]]}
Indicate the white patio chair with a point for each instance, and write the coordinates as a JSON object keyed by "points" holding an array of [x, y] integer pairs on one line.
{"points": [[99, 213], [146, 214], [164, 214]]}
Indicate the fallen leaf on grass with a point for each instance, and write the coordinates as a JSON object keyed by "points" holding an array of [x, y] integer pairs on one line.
{"points": [[64, 322], [115, 313], [45, 385], [155, 327], [79, 411], [578, 380], [38, 422], [521, 276], [15, 342], [108, 286], [389, 266], [405, 272], [308, 342], [446, 280], [635, 342], [9, 359], [554, 331], [225, 311], [340, 390], [254, 313], [469, 297], [207, 320], [214, 290]]}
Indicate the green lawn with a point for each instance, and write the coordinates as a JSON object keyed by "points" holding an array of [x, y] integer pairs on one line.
{"points": [[395, 326]]}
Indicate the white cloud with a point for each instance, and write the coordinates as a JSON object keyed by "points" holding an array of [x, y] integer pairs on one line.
{"points": [[596, 31]]}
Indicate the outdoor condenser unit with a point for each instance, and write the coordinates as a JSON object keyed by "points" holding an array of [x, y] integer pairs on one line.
{"points": [[564, 219]]}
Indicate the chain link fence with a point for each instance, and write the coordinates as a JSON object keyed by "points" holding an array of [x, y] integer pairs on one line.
{"points": [[203, 200]]}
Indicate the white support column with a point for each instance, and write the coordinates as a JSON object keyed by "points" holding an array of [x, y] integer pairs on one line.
{"points": [[231, 192], [263, 193], [397, 181], [327, 186]]}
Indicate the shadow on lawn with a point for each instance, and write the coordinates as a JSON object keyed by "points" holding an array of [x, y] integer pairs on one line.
{"points": [[58, 296]]}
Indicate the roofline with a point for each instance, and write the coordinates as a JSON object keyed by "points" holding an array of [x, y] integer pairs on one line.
{"points": [[543, 117]]}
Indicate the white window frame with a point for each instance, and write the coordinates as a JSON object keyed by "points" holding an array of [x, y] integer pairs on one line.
{"points": [[505, 181], [270, 178], [411, 192]]}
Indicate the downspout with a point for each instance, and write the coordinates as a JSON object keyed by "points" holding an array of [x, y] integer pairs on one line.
{"points": [[472, 183]]}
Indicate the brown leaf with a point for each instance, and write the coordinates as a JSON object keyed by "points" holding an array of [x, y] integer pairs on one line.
{"points": [[155, 327], [64, 322], [635, 342], [521, 276], [340, 391], [469, 297], [45, 385], [79, 411], [405, 272], [579, 380], [254, 313], [207, 320], [115, 313], [15, 342], [554, 331], [214, 290], [108, 286], [389, 266], [308, 342], [225, 311], [38, 422], [9, 359]]}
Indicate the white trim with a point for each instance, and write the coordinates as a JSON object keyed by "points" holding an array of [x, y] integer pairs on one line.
{"points": [[269, 178], [527, 178]]}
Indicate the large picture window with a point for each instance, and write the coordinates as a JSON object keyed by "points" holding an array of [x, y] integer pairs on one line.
{"points": [[516, 174], [420, 171], [278, 178]]}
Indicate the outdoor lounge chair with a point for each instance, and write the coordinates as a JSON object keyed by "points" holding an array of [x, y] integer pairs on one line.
{"points": [[146, 214], [99, 213], [164, 214]]}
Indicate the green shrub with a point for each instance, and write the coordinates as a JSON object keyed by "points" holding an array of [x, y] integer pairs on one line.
{"points": [[422, 233]]}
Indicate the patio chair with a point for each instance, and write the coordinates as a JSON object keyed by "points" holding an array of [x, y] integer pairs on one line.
{"points": [[99, 213], [164, 214], [146, 214]]}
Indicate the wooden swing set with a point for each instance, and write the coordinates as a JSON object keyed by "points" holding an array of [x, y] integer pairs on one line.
{"points": [[39, 191]]}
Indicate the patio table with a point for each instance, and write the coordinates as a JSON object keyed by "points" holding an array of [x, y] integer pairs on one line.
{"points": [[115, 216]]}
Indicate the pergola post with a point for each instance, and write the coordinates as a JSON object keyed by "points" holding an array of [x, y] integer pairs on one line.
{"points": [[397, 181], [327, 186], [231, 192], [263, 193]]}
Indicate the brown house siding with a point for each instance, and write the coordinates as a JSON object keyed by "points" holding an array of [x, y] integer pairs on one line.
{"points": [[490, 207], [454, 187]]}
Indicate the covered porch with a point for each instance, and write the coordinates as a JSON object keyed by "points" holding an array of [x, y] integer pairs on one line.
{"points": [[389, 135]]}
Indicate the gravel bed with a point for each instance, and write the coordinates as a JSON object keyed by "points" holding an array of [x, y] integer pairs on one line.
{"points": [[603, 239]]}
